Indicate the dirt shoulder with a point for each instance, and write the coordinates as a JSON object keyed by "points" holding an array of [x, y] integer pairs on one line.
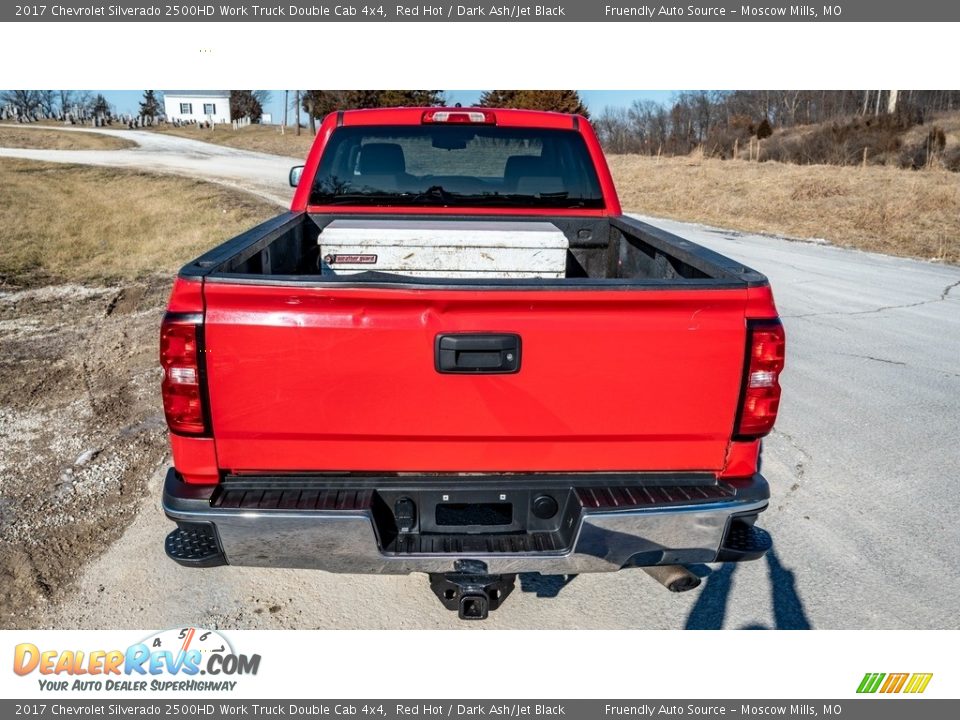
{"points": [[80, 426], [84, 278], [13, 136]]}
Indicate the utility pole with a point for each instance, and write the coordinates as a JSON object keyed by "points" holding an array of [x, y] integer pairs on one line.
{"points": [[296, 94], [286, 104]]}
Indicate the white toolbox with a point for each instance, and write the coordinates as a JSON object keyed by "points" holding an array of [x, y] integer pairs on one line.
{"points": [[444, 248]]}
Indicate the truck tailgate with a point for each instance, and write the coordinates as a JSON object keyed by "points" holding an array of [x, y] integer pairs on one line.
{"points": [[344, 379]]}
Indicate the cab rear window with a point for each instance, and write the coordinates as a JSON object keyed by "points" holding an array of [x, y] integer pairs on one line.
{"points": [[456, 166]]}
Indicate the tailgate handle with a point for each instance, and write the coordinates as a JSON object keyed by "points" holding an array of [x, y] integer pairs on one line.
{"points": [[477, 353]]}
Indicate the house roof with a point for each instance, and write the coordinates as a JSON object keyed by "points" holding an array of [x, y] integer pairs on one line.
{"points": [[198, 93]]}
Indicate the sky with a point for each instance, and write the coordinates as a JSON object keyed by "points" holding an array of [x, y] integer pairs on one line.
{"points": [[127, 101]]}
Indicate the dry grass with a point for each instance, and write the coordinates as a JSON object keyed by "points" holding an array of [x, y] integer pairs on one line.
{"points": [[948, 122], [258, 138], [880, 209], [78, 223], [13, 136]]}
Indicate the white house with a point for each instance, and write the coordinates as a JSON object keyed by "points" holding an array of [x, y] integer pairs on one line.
{"points": [[197, 105]]}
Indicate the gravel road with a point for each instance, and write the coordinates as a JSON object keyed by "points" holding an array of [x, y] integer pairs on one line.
{"points": [[259, 173], [863, 468]]}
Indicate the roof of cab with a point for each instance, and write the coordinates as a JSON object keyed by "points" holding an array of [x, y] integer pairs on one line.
{"points": [[508, 117]]}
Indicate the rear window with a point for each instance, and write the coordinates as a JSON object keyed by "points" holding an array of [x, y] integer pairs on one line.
{"points": [[456, 166]]}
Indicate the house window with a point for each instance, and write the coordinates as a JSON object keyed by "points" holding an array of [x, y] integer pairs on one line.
{"points": [[209, 109], [186, 108]]}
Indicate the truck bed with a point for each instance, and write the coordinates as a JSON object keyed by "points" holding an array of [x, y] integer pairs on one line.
{"points": [[609, 251]]}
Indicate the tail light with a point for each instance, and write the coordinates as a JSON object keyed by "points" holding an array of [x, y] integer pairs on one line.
{"points": [[760, 395], [182, 387], [481, 117]]}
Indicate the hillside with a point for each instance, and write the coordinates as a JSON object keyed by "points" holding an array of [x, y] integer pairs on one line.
{"points": [[899, 141]]}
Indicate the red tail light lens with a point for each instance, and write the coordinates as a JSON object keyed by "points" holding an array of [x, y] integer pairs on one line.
{"points": [[760, 396], [480, 117], [181, 387]]}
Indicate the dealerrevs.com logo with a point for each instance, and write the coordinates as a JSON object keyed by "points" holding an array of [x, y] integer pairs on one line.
{"points": [[910, 683], [169, 660]]}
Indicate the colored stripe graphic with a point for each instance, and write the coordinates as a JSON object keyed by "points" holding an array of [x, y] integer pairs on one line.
{"points": [[918, 682], [870, 682], [895, 683]]}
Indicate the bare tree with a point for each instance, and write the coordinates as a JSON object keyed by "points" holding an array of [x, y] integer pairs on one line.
{"points": [[263, 97], [26, 102], [892, 101], [65, 98], [47, 102]]}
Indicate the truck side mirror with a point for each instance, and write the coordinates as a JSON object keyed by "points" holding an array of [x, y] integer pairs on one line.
{"points": [[295, 173]]}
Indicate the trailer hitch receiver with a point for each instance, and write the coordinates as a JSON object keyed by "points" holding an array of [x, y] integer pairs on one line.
{"points": [[470, 590]]}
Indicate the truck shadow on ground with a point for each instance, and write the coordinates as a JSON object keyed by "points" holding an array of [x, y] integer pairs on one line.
{"points": [[545, 586], [710, 609]]}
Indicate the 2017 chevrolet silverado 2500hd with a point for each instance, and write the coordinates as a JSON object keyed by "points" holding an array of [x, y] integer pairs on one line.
{"points": [[454, 355]]}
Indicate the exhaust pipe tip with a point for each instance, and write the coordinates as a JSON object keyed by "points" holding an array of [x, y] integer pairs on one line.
{"points": [[675, 578]]}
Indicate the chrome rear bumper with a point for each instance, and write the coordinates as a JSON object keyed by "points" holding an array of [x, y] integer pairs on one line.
{"points": [[599, 529]]}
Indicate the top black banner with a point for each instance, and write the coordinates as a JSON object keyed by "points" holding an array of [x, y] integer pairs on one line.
{"points": [[443, 11]]}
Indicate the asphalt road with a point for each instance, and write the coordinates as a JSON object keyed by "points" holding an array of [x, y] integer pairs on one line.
{"points": [[863, 467]]}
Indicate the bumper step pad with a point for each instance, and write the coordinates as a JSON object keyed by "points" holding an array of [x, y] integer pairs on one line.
{"points": [[744, 541], [194, 545], [640, 496]]}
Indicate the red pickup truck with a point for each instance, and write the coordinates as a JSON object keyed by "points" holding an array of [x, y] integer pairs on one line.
{"points": [[468, 426]]}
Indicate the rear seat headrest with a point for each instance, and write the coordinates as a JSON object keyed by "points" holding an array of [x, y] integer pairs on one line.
{"points": [[519, 166], [382, 159]]}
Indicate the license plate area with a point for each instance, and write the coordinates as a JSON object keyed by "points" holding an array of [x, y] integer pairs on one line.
{"points": [[473, 511], [457, 515]]}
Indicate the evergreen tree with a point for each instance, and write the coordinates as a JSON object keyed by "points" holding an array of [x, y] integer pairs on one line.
{"points": [[565, 101], [319, 103], [499, 98], [409, 98], [150, 105], [100, 107]]}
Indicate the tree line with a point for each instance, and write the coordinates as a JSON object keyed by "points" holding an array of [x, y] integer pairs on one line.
{"points": [[318, 103], [847, 125], [82, 103], [719, 121], [55, 103]]}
